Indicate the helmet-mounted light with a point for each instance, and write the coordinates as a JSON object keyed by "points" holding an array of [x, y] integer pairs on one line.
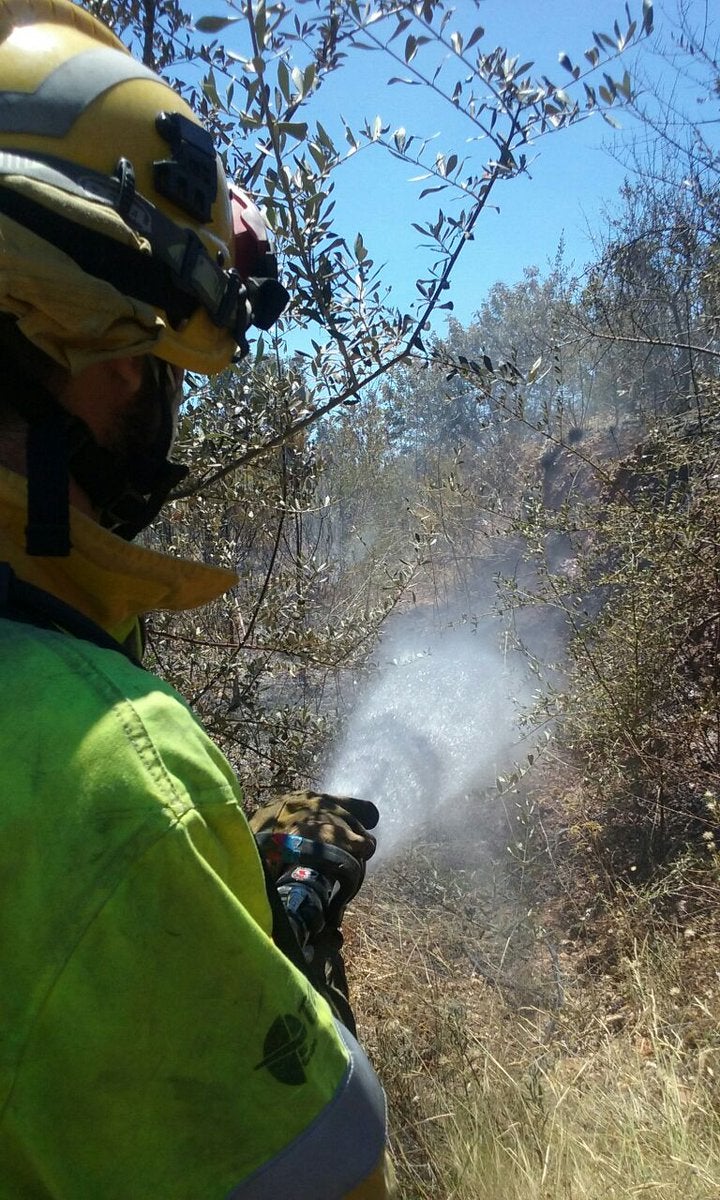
{"points": [[255, 262]]}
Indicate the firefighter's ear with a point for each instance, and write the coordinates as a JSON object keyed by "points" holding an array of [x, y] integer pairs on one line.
{"points": [[114, 382], [126, 373]]}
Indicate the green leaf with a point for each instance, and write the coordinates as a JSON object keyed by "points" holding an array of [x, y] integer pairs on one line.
{"points": [[283, 76], [410, 48], [564, 61], [475, 36], [214, 24], [534, 370], [402, 25], [260, 23], [360, 250], [318, 157], [296, 129], [325, 139], [647, 16], [209, 88], [625, 86]]}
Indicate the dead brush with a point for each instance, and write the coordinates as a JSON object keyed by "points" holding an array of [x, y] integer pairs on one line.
{"points": [[615, 1094]]}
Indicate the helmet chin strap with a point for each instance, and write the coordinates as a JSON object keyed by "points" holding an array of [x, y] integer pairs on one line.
{"points": [[127, 490]]}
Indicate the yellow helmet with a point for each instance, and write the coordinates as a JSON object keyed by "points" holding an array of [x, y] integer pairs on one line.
{"points": [[108, 179]]}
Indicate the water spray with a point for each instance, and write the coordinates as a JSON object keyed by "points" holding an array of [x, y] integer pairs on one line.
{"points": [[431, 727], [436, 723]]}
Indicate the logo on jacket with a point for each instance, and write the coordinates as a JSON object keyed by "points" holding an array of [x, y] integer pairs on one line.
{"points": [[289, 1045]]}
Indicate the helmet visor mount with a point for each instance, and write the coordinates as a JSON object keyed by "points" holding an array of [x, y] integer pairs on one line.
{"points": [[246, 293], [189, 180], [181, 275]]}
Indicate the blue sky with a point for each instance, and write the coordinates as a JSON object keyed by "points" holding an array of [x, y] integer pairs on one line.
{"points": [[574, 175]]}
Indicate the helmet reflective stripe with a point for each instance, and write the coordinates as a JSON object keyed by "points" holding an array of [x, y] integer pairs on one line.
{"points": [[73, 179], [61, 98]]}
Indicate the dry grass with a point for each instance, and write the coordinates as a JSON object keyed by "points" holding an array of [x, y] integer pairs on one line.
{"points": [[515, 1072], [612, 1124]]}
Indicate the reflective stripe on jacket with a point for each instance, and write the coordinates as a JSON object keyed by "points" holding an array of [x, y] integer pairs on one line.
{"points": [[155, 1043]]}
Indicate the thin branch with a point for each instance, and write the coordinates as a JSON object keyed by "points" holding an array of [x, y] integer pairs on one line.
{"points": [[667, 343]]}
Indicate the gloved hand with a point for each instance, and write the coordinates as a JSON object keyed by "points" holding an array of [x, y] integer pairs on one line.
{"points": [[337, 821], [341, 821]]}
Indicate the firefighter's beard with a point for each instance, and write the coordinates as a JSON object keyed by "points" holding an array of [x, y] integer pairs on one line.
{"points": [[142, 446], [149, 424]]}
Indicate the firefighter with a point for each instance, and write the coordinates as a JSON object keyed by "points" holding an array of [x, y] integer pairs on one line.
{"points": [[156, 1040]]}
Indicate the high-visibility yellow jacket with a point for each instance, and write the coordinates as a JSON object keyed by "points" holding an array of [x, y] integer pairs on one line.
{"points": [[154, 1043]]}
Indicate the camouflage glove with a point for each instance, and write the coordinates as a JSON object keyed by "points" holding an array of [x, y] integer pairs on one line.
{"points": [[340, 821]]}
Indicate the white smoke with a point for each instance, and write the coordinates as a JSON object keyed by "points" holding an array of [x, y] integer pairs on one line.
{"points": [[437, 722]]}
